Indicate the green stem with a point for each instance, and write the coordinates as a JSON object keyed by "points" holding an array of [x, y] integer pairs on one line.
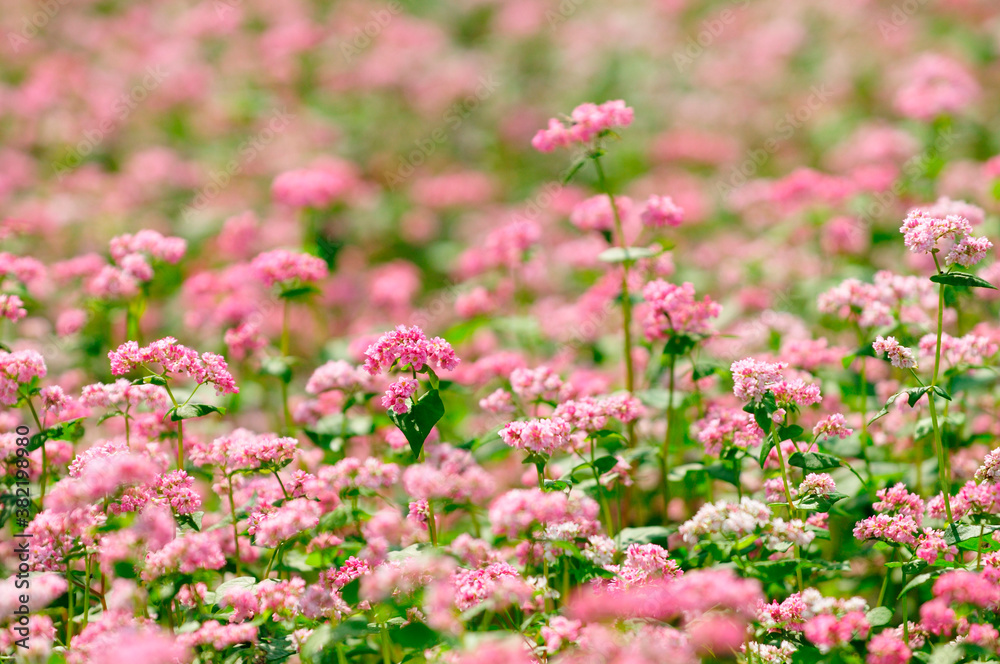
{"points": [[626, 299], [605, 508], [943, 477], [236, 532], [885, 582], [180, 428], [791, 506], [665, 449], [45, 461], [86, 590], [431, 523], [69, 604], [386, 646], [865, 440]]}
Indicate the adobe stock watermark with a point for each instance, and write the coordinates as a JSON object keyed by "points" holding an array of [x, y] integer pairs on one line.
{"points": [[452, 119], [247, 152], [784, 129], [711, 29], [561, 14], [899, 15], [363, 36], [32, 25], [123, 107]]}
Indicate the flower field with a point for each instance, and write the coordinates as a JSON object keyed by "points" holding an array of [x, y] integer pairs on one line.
{"points": [[522, 331]]}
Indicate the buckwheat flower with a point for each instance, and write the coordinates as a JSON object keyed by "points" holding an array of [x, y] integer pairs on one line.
{"points": [[643, 563], [539, 384], [244, 450], [937, 617], [936, 85], [832, 426], [283, 266], [752, 378], [888, 648], [185, 554], [541, 436], [673, 310], [899, 355], [176, 359], [990, 470], [112, 283], [968, 251], [177, 489], [45, 587], [499, 402], [794, 392], [18, 368], [419, 512], [12, 308], [595, 213], [978, 589], [397, 396], [817, 484], [774, 491], [661, 211], [338, 375], [827, 632], [285, 522], [587, 122], [899, 528], [450, 473], [219, 636], [931, 544], [560, 630], [970, 350], [922, 232], [313, 187], [898, 500], [518, 511], [409, 346], [149, 242], [243, 340]]}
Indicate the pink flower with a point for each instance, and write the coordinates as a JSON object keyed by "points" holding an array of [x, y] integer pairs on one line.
{"points": [[12, 308], [313, 187], [283, 266], [752, 378], [397, 396], [832, 426], [587, 122], [673, 310], [18, 368], [409, 346], [969, 251], [596, 214], [817, 484], [151, 243], [177, 359], [661, 211], [542, 436], [899, 355], [274, 527], [338, 375], [888, 648], [936, 85]]}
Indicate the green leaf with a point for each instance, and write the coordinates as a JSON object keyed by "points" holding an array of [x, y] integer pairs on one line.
{"points": [[415, 635], [702, 370], [879, 616], [626, 254], [962, 280], [643, 535], [193, 410], [556, 485], [150, 380], [763, 419], [946, 653], [916, 581], [679, 344], [765, 449], [416, 424], [814, 461], [297, 292], [790, 432], [239, 583], [723, 472], [604, 464]]}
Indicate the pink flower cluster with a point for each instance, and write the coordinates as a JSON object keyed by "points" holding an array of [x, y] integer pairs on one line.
{"points": [[673, 310], [18, 368], [282, 266], [899, 355], [338, 375], [922, 233], [313, 187], [752, 378], [592, 414], [12, 307], [398, 394], [410, 347], [540, 436], [244, 450], [587, 122], [661, 211], [175, 359]]}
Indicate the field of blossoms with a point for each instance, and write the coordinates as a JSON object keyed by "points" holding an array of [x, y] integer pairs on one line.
{"points": [[519, 331]]}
